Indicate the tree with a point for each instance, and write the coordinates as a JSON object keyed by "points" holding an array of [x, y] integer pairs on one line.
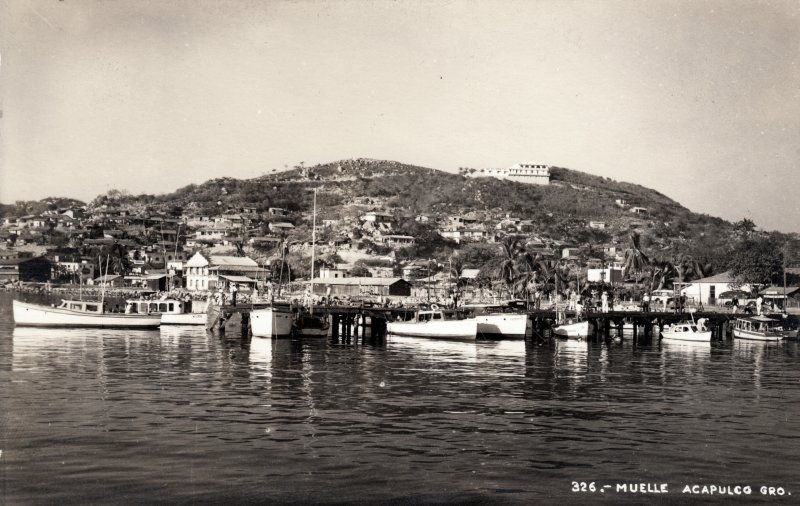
{"points": [[744, 227], [757, 261], [635, 262], [688, 268]]}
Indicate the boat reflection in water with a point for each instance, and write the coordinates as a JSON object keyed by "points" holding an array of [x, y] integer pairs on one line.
{"points": [[37, 348], [261, 353], [439, 350]]}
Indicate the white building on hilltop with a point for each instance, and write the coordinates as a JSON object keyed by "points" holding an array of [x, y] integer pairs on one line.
{"points": [[521, 172]]}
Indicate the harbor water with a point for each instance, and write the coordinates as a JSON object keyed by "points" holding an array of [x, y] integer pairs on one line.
{"points": [[180, 416]]}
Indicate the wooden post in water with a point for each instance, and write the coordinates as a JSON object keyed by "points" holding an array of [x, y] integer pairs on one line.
{"points": [[335, 321]]}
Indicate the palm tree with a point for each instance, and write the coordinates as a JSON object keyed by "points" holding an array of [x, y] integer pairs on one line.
{"points": [[505, 266], [636, 261], [688, 268], [660, 271], [119, 262]]}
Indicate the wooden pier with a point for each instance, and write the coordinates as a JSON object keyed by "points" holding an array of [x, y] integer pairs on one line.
{"points": [[355, 322]]}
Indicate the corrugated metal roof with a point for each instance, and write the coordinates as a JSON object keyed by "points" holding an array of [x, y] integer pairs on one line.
{"points": [[362, 281], [232, 261], [238, 279]]}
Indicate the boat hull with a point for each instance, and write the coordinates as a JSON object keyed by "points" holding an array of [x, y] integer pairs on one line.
{"points": [[442, 329], [183, 319], [504, 326], [35, 315], [308, 325], [689, 337], [270, 322], [577, 330], [756, 336]]}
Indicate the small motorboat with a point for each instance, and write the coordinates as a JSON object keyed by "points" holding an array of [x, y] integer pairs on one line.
{"points": [[687, 331], [761, 328], [436, 323], [573, 329], [311, 325]]}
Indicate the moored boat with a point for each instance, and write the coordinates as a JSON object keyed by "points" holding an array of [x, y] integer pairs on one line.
{"points": [[573, 329], [79, 313], [311, 325], [687, 331], [271, 322], [435, 323], [494, 323], [761, 328]]}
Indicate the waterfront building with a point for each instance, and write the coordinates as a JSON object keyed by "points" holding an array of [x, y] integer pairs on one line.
{"points": [[362, 286], [203, 273], [707, 290]]}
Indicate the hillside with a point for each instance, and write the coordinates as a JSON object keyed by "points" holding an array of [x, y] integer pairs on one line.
{"points": [[559, 213]]}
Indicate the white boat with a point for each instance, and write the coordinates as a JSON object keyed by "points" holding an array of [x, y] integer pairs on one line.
{"points": [[579, 329], [761, 328], [687, 331], [271, 322], [79, 313], [435, 323], [172, 311], [494, 323]]}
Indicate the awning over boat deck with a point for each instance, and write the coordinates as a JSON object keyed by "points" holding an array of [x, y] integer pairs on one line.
{"points": [[238, 279]]}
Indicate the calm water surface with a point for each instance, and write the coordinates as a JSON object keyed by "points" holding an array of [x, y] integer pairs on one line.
{"points": [[180, 416]]}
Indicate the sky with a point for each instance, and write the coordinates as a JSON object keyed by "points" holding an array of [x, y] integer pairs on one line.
{"points": [[699, 100]]}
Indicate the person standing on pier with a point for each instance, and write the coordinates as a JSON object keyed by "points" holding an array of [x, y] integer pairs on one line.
{"points": [[646, 303], [604, 302], [759, 302], [735, 304]]}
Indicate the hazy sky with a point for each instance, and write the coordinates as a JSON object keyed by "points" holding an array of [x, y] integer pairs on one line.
{"points": [[697, 99]]}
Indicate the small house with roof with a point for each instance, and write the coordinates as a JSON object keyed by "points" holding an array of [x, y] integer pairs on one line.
{"points": [[707, 290]]}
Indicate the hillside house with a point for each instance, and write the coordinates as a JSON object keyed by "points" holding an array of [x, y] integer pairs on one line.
{"points": [[333, 273], [621, 202], [397, 240], [599, 225], [639, 210], [376, 217], [462, 221], [277, 211], [529, 173], [280, 227], [465, 234]]}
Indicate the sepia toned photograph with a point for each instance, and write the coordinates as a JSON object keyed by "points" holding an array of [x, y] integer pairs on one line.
{"points": [[410, 252]]}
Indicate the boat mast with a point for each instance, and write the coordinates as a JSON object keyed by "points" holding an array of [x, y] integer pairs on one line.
{"points": [[105, 280], [313, 250]]}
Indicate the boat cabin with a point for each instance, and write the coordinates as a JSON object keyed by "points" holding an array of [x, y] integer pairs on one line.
{"points": [[83, 306], [154, 306], [759, 325], [438, 315], [683, 327]]}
